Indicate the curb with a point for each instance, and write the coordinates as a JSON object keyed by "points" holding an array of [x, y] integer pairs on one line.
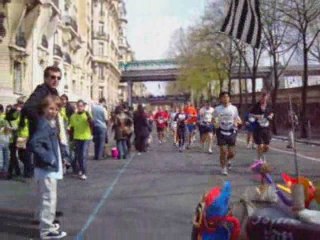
{"points": [[298, 140]]}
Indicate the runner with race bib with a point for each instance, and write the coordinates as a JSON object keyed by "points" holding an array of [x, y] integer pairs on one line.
{"points": [[192, 118], [206, 127], [226, 118], [181, 119], [161, 118], [173, 125], [263, 115]]}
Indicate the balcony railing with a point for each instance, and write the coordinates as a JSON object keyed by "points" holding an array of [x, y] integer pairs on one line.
{"points": [[69, 21], [21, 40], [57, 51], [102, 35]]}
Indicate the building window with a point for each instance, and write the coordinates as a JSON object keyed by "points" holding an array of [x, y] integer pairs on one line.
{"points": [[17, 77], [73, 86], [101, 72], [101, 8], [101, 92], [101, 27], [101, 49]]}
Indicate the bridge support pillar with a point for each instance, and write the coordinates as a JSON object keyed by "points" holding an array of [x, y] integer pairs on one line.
{"points": [[130, 85]]}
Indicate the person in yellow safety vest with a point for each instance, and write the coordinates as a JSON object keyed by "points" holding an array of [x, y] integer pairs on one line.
{"points": [[4, 142], [13, 118], [23, 153]]}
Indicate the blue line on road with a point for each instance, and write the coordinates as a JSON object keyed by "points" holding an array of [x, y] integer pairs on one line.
{"points": [[103, 200]]}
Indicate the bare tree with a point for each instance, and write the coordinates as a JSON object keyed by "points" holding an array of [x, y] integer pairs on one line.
{"points": [[251, 59], [302, 15], [276, 34]]}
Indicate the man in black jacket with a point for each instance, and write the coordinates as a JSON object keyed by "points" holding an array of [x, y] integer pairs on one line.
{"points": [[52, 77]]}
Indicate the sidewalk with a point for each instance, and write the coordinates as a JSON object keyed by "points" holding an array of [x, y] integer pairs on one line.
{"points": [[315, 142]]}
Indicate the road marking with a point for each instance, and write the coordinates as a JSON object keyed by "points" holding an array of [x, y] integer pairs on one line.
{"points": [[105, 196], [289, 152]]}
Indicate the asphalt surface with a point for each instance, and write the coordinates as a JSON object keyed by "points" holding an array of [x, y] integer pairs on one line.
{"points": [[147, 197]]}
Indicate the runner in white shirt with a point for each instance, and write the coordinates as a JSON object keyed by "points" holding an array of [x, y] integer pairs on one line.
{"points": [[173, 125], [206, 126], [226, 118]]}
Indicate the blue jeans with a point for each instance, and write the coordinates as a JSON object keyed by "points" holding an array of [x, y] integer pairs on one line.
{"points": [[81, 154], [4, 151], [99, 140], [123, 148]]}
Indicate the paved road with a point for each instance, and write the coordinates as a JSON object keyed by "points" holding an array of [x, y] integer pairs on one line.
{"points": [[147, 197]]}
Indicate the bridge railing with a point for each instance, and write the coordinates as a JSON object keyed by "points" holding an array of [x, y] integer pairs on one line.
{"points": [[149, 65]]}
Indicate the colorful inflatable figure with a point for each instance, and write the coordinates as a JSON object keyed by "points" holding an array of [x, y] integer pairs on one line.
{"points": [[264, 170], [213, 221], [309, 188]]}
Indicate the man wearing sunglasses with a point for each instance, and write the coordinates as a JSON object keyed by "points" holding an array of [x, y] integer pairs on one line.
{"points": [[52, 77]]}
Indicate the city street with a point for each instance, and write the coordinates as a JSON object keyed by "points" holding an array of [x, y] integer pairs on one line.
{"points": [[151, 196]]}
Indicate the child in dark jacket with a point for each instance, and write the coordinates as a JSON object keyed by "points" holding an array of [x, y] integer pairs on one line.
{"points": [[45, 146]]}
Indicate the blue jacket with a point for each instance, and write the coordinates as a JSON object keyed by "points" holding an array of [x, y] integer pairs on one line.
{"points": [[44, 144]]}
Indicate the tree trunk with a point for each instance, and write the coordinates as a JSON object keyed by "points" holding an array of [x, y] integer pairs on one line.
{"points": [[221, 84], [253, 78], [246, 89], [240, 84], [275, 92], [304, 120], [253, 81], [229, 80]]}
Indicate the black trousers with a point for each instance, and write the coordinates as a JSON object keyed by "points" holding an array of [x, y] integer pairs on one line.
{"points": [[129, 142], [25, 158], [13, 163], [141, 143]]}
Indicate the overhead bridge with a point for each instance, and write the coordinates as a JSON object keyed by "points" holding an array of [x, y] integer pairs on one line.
{"points": [[169, 70]]}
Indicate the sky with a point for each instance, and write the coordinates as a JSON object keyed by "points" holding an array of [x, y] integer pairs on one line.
{"points": [[151, 24]]}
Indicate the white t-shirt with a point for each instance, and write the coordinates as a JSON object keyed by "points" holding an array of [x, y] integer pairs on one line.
{"points": [[226, 116], [206, 114], [172, 116]]}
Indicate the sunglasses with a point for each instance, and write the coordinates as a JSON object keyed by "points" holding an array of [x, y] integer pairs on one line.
{"points": [[53, 77]]}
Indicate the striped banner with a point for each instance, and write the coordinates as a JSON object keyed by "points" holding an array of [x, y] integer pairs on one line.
{"points": [[243, 22]]}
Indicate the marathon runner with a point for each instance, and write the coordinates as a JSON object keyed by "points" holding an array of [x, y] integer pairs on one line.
{"points": [[173, 124], [181, 118], [263, 114], [226, 118], [192, 119], [250, 126], [206, 127], [161, 118]]}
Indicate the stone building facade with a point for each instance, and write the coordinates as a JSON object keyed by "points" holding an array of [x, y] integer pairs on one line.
{"points": [[79, 36]]}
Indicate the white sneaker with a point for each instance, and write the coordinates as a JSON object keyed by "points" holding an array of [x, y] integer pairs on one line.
{"points": [[54, 235], [139, 153], [224, 171], [83, 177], [210, 150], [263, 158], [229, 166], [56, 226]]}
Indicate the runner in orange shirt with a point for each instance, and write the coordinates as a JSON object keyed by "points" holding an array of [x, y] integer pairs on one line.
{"points": [[192, 118]]}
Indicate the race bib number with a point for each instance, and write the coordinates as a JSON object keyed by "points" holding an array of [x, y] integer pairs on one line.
{"points": [[226, 122], [264, 122]]}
